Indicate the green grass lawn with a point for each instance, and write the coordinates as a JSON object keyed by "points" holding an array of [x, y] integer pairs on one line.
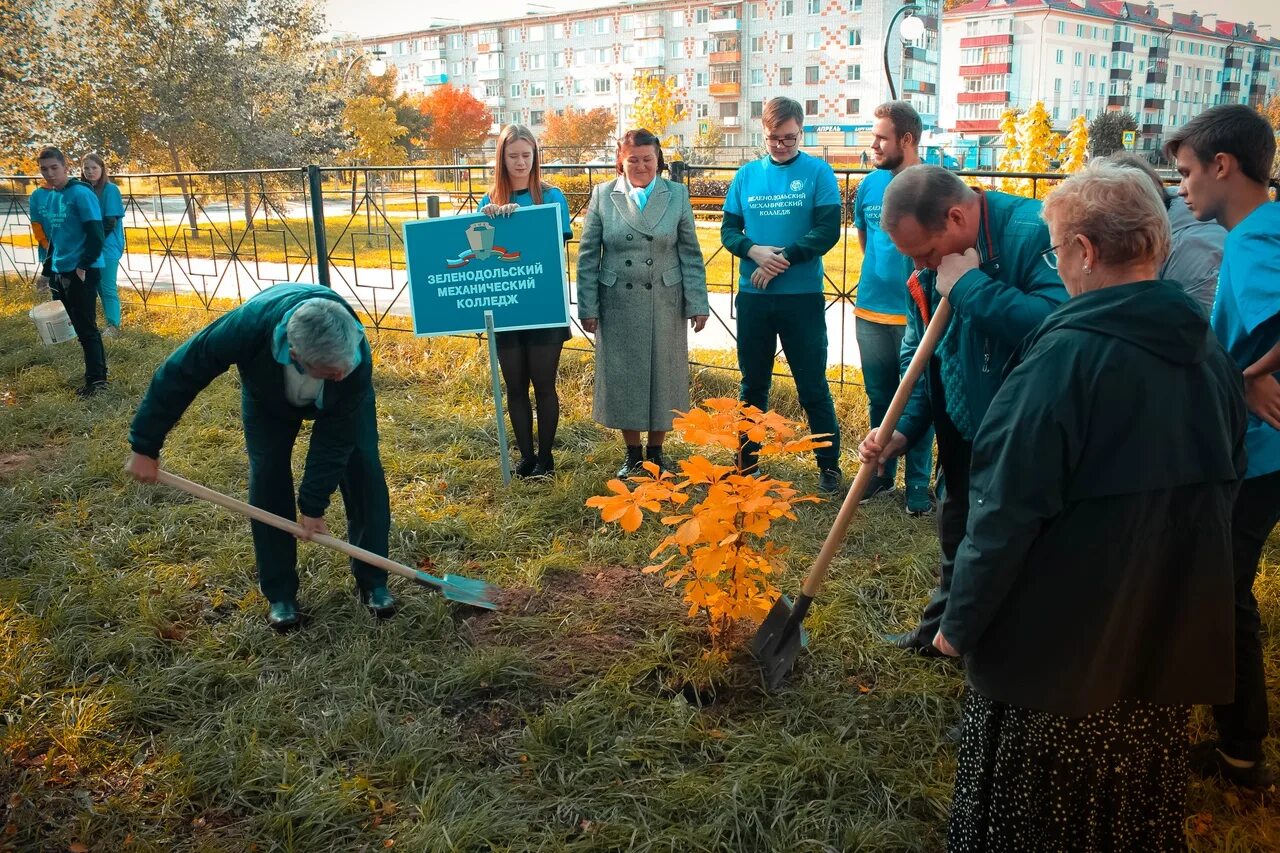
{"points": [[147, 707]]}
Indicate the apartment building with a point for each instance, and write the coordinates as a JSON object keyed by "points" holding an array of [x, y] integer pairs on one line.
{"points": [[1084, 57], [727, 59]]}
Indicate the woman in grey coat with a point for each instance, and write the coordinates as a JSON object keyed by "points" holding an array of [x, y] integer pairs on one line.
{"points": [[640, 276]]}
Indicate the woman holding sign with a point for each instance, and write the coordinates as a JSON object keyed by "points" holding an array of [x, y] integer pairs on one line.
{"points": [[528, 355], [640, 276]]}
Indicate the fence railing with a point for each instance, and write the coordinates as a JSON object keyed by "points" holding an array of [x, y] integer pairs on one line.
{"points": [[229, 235]]}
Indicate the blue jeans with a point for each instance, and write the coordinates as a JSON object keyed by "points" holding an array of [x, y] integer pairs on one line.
{"points": [[879, 345], [108, 291]]}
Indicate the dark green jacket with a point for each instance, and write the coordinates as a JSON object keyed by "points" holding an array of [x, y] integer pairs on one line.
{"points": [[1097, 561], [995, 306], [243, 338]]}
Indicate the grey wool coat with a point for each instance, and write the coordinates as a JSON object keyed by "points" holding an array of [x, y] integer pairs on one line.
{"points": [[640, 274]]}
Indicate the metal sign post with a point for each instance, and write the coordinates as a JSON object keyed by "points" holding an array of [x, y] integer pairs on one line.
{"points": [[503, 455]]}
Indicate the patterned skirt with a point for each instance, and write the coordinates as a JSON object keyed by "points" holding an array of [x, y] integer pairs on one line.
{"points": [[1115, 780]]}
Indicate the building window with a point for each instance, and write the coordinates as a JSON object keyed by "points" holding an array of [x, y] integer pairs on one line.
{"points": [[787, 42], [1057, 55], [538, 61], [757, 109], [538, 33], [602, 26], [784, 76], [537, 116], [811, 74], [700, 16], [810, 138], [700, 80], [853, 72], [1057, 86], [1091, 89], [1075, 87], [515, 90], [852, 106], [815, 7], [701, 111], [757, 44], [811, 107], [604, 85], [757, 76], [787, 8], [557, 88], [677, 49], [1079, 59], [855, 37], [1062, 27], [813, 40], [855, 5], [1093, 60], [557, 59]]}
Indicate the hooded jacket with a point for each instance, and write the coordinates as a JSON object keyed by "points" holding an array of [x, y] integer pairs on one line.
{"points": [[1097, 560]]}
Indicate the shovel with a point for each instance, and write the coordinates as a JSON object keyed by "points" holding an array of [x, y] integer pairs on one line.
{"points": [[778, 641], [462, 590]]}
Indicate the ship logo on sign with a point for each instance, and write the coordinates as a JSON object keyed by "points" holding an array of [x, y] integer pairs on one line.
{"points": [[480, 239]]}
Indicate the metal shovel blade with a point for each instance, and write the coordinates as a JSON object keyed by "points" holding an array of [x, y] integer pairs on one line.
{"points": [[779, 640], [462, 590]]}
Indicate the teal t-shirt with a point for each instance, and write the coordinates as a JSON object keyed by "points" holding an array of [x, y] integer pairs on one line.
{"points": [[68, 211], [113, 205], [776, 203], [550, 195], [1246, 315], [36, 212], [882, 285]]}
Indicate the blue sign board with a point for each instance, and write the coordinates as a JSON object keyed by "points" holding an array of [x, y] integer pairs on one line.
{"points": [[459, 267]]}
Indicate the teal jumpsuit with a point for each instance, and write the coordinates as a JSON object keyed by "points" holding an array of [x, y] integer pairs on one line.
{"points": [[344, 441]]}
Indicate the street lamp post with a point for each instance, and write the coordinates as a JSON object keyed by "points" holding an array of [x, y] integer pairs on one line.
{"points": [[618, 71], [377, 67], [912, 28]]}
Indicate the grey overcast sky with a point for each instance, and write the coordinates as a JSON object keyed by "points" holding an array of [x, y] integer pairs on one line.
{"points": [[372, 17]]}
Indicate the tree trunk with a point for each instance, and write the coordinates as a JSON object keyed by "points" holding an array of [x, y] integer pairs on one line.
{"points": [[188, 203]]}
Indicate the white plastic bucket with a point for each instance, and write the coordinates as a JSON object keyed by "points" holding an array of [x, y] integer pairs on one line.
{"points": [[52, 323]]}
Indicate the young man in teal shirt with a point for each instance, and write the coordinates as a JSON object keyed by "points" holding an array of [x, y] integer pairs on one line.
{"points": [[781, 215], [881, 310], [1225, 156], [40, 231], [988, 254], [73, 219]]}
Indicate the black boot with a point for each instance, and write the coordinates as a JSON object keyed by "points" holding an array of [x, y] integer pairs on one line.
{"points": [[526, 467], [545, 467], [653, 453], [632, 465]]}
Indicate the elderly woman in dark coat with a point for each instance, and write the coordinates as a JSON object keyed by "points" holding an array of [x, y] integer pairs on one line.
{"points": [[640, 277], [1092, 599]]}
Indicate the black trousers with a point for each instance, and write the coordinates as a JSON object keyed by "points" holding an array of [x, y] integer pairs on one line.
{"points": [[955, 456], [80, 298], [1243, 724]]}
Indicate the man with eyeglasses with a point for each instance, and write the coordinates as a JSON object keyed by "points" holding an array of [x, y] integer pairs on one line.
{"points": [[988, 254], [781, 215]]}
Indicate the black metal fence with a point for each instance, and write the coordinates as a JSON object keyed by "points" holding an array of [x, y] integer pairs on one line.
{"points": [[228, 235]]}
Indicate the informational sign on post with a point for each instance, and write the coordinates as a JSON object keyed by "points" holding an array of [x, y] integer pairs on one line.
{"points": [[1129, 138], [471, 273], [459, 267]]}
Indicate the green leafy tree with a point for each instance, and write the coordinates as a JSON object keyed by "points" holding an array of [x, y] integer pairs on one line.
{"points": [[1106, 132]]}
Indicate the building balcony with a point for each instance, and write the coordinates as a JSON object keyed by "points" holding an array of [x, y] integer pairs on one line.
{"points": [[978, 125], [989, 68], [731, 121], [488, 73], [1153, 128], [642, 33], [930, 21], [1158, 77], [1121, 73], [494, 101], [1258, 92], [986, 41], [921, 87], [1117, 101], [489, 47], [919, 54], [1153, 103], [725, 57], [1000, 97], [1231, 87], [435, 79], [1158, 52], [648, 63], [430, 53], [726, 90], [1234, 62], [724, 25], [1121, 47], [1261, 65]]}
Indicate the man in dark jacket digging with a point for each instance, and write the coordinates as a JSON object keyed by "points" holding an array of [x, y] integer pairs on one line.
{"points": [[302, 355], [988, 254]]}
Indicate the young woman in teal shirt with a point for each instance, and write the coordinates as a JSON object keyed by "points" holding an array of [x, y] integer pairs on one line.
{"points": [[528, 356], [94, 171]]}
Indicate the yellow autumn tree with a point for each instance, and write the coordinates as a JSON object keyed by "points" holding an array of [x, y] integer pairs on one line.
{"points": [[1009, 153], [657, 105], [1077, 146], [1037, 144], [720, 514]]}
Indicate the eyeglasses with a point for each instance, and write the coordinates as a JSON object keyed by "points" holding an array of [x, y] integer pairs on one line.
{"points": [[787, 141], [1050, 256]]}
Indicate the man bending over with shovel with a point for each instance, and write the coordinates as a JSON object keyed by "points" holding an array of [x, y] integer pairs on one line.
{"points": [[988, 254], [302, 355]]}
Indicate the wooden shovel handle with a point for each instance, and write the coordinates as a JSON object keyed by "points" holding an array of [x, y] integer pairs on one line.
{"points": [[259, 514], [937, 327]]}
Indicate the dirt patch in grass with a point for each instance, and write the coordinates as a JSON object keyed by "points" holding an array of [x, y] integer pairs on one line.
{"points": [[16, 464]]}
